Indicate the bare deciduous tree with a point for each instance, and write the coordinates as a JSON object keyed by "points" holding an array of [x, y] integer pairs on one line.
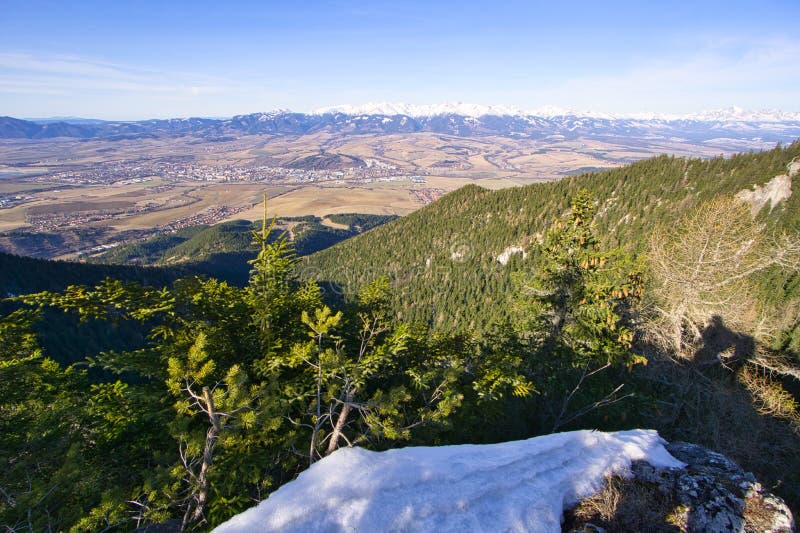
{"points": [[703, 267]]}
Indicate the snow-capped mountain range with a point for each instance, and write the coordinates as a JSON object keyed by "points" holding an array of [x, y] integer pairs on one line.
{"points": [[432, 110], [728, 126], [733, 113]]}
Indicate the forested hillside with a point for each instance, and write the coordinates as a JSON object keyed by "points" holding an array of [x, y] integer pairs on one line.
{"points": [[443, 259], [22, 275], [223, 250]]}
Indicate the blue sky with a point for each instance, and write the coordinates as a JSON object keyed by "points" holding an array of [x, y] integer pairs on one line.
{"points": [[145, 59]]}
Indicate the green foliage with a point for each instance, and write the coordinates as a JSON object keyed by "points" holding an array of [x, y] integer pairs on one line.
{"points": [[224, 250], [573, 309], [232, 391], [442, 259], [271, 276], [232, 380], [360, 222], [576, 294], [22, 275], [58, 438]]}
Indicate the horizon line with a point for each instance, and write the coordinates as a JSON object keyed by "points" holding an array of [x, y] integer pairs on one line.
{"points": [[734, 113]]}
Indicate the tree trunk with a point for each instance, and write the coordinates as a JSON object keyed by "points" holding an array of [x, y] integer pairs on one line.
{"points": [[312, 452], [202, 479], [333, 444], [203, 484]]}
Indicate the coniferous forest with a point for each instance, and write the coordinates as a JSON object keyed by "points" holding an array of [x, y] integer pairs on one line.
{"points": [[646, 296]]}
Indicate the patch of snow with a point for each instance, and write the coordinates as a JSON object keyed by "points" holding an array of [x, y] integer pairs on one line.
{"points": [[265, 115], [774, 191], [506, 255], [514, 486]]}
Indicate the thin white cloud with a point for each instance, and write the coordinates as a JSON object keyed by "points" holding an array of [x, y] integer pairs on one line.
{"points": [[63, 64], [720, 72], [757, 76], [61, 74]]}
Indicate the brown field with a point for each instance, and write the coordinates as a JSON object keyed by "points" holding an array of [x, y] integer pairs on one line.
{"points": [[238, 195], [12, 219], [444, 162], [331, 224], [328, 200], [69, 207]]}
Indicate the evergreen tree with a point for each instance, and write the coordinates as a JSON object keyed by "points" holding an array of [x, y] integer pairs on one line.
{"points": [[574, 307]]}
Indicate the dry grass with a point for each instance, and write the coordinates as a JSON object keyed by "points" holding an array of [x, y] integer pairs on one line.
{"points": [[713, 409], [769, 396], [757, 516], [331, 224], [70, 207], [11, 219], [626, 505], [321, 201], [175, 203]]}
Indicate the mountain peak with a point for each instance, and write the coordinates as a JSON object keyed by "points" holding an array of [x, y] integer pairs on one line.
{"points": [[729, 114], [738, 114], [427, 110]]}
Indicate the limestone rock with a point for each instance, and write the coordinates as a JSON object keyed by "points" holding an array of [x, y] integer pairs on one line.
{"points": [[793, 168], [773, 193], [710, 494], [717, 495]]}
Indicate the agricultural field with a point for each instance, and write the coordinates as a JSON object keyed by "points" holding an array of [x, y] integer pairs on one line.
{"points": [[79, 195]]}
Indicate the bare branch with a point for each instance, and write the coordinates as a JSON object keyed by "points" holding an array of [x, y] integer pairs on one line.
{"points": [[608, 399], [584, 376]]}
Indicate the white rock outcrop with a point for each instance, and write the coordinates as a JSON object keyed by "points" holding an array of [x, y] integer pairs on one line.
{"points": [[773, 192], [504, 257]]}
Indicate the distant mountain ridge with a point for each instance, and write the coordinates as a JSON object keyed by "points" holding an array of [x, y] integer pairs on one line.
{"points": [[733, 113], [452, 119]]}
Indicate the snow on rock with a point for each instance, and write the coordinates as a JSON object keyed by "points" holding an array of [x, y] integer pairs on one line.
{"points": [[773, 192], [507, 253], [513, 486]]}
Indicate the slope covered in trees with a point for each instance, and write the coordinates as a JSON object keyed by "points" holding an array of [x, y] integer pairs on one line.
{"points": [[22, 275], [223, 250], [442, 259]]}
